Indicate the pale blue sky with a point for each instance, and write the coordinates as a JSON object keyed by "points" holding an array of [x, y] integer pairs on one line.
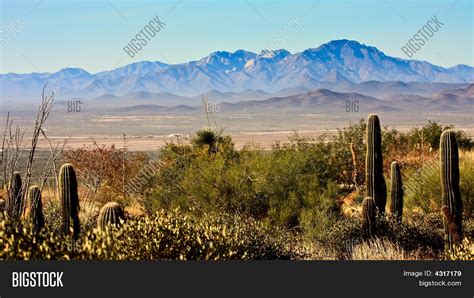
{"points": [[91, 34]]}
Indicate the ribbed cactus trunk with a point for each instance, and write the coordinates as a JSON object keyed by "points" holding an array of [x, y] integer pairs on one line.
{"points": [[452, 204], [369, 215], [110, 214], [396, 193], [2, 205], [36, 211], [375, 182], [15, 197], [69, 200]]}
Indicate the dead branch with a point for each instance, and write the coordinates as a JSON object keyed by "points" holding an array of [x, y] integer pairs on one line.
{"points": [[51, 164], [41, 116]]}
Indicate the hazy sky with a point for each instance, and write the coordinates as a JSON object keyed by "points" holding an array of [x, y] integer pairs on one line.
{"points": [[46, 36]]}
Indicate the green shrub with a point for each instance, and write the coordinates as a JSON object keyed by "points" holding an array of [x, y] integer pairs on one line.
{"points": [[422, 186], [462, 251], [424, 232], [289, 186], [213, 141], [349, 149], [51, 211], [422, 236], [430, 134], [342, 237], [298, 184], [165, 236], [466, 183], [52, 208]]}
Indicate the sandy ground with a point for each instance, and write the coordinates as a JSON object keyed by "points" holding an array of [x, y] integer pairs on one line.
{"points": [[149, 132], [149, 143]]}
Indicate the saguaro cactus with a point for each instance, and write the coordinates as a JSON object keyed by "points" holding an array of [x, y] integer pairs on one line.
{"points": [[36, 211], [451, 227], [69, 199], [110, 214], [2, 205], [15, 196], [396, 194], [375, 182], [452, 204], [369, 213]]}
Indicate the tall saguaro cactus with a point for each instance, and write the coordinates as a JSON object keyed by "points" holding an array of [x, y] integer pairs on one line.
{"points": [[15, 196], [375, 182], [452, 204], [69, 199], [36, 211], [396, 194], [369, 214]]}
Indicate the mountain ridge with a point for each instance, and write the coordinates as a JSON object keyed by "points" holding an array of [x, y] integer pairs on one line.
{"points": [[328, 101], [337, 62]]}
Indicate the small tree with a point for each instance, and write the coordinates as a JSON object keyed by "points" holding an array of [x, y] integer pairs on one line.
{"points": [[102, 169], [212, 139]]}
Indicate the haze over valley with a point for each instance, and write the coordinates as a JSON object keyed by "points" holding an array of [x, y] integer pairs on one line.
{"points": [[255, 97]]}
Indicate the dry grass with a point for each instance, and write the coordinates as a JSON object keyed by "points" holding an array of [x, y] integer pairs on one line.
{"points": [[380, 249], [135, 210], [349, 205]]}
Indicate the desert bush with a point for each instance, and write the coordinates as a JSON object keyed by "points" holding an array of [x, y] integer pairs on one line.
{"points": [[51, 212], [430, 135], [468, 226], [297, 184], [105, 170], [423, 233], [411, 149], [171, 235], [405, 147], [466, 182], [423, 186], [463, 251], [289, 186], [213, 141], [423, 236], [20, 242], [52, 209], [349, 149], [342, 237]]}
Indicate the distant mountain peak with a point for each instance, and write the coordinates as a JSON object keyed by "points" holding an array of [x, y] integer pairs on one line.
{"points": [[342, 42], [227, 60], [243, 53], [274, 54], [340, 61], [342, 48], [72, 71]]}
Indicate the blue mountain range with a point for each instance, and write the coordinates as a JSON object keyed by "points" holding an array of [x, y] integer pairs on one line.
{"points": [[339, 62]]}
